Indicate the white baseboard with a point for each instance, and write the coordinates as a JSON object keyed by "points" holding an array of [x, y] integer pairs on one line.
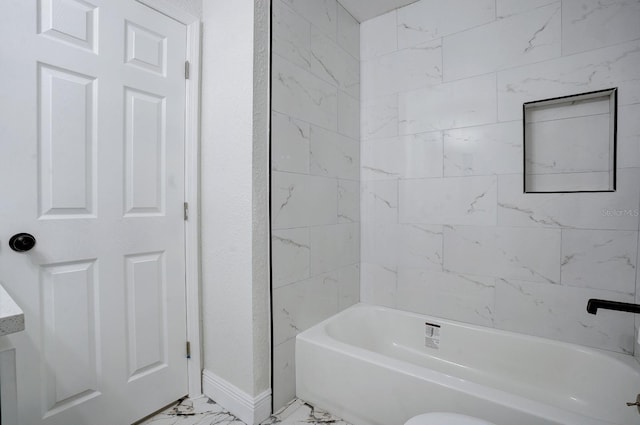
{"points": [[250, 410]]}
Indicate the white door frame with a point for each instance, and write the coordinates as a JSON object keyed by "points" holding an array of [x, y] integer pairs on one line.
{"points": [[192, 187]]}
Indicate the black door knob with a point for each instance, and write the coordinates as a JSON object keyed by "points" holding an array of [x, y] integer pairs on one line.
{"points": [[22, 242]]}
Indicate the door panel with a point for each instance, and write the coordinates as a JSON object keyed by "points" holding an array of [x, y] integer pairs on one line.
{"points": [[144, 153], [92, 100], [67, 128], [146, 314], [70, 21], [70, 333], [146, 49]]}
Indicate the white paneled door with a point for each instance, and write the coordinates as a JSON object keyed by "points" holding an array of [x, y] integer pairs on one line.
{"points": [[92, 107]]}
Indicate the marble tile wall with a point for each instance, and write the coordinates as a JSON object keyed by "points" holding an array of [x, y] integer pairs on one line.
{"points": [[315, 164], [445, 226]]}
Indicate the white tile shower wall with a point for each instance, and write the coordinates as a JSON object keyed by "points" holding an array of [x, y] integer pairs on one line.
{"points": [[445, 226], [587, 24], [534, 36], [629, 136], [433, 19], [412, 156], [615, 66], [505, 8], [449, 200], [315, 163]]}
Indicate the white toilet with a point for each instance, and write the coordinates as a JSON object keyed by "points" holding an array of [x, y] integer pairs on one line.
{"points": [[440, 418]]}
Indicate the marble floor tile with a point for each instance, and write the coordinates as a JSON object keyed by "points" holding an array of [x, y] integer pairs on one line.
{"points": [[204, 411], [201, 411], [299, 412]]}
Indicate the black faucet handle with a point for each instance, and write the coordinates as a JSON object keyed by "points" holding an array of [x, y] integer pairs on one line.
{"points": [[594, 304]]}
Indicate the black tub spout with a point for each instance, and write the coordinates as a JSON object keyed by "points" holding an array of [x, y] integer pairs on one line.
{"points": [[594, 304]]}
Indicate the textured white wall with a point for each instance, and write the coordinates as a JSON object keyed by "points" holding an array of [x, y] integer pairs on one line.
{"points": [[192, 6], [261, 266], [446, 228], [235, 274]]}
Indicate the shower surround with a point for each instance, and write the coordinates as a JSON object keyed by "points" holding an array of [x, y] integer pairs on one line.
{"points": [[397, 168], [315, 163], [446, 228]]}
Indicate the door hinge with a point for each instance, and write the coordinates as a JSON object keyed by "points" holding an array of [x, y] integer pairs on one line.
{"points": [[186, 211], [188, 350], [186, 70]]}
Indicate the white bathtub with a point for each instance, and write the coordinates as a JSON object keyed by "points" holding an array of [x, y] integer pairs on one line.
{"points": [[369, 365]]}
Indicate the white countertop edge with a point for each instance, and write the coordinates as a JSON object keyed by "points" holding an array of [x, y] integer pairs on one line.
{"points": [[11, 315]]}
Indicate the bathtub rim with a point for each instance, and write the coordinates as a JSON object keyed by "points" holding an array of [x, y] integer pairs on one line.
{"points": [[628, 360], [318, 336]]}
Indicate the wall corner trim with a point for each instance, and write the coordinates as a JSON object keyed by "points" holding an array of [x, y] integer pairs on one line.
{"points": [[251, 410]]}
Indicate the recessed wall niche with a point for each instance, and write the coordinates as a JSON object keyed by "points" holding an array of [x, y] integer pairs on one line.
{"points": [[570, 143]]}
